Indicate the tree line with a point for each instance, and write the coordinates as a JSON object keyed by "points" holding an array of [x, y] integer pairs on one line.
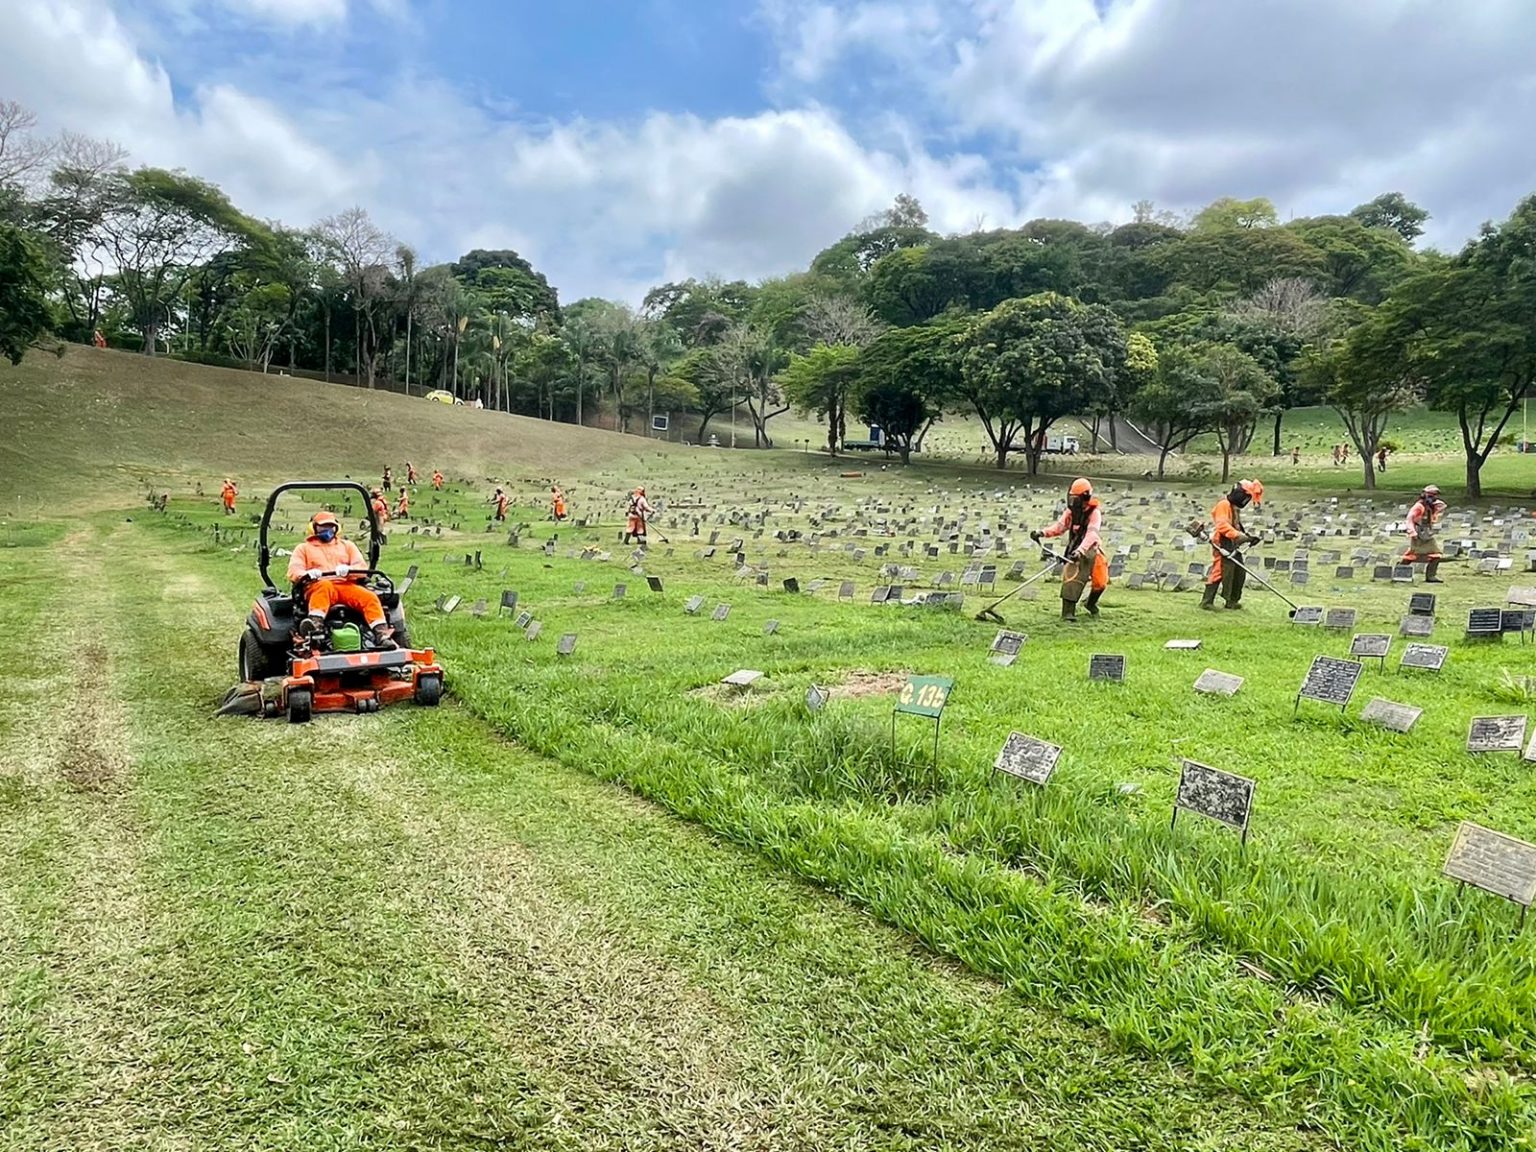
{"points": [[1211, 324]]}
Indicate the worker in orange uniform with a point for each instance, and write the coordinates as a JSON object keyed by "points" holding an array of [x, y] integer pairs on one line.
{"points": [[639, 509], [325, 570], [1227, 536], [380, 508], [1423, 548], [410, 472], [1086, 563], [229, 494], [403, 505], [559, 501], [437, 480], [499, 498]]}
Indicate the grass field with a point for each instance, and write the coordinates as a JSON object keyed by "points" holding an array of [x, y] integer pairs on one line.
{"points": [[438, 929]]}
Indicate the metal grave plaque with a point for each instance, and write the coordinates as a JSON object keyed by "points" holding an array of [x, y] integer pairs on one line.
{"points": [[1106, 666], [523, 618], [1485, 622], [1417, 626], [721, 612], [618, 591], [1397, 717], [845, 590], [1496, 734], [1422, 604], [566, 644], [693, 604], [816, 698], [1182, 645], [508, 601], [1219, 795], [532, 632], [1521, 620], [1526, 597], [1430, 657], [653, 583], [770, 627], [743, 678], [1370, 645], [450, 604], [1342, 619], [791, 584], [1308, 614], [1217, 683], [1330, 681], [1027, 758], [1493, 862]]}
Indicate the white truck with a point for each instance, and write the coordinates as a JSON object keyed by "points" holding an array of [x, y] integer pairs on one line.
{"points": [[1057, 444]]}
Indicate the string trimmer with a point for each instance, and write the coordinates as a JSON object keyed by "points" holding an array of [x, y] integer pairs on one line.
{"points": [[1201, 531], [989, 613]]}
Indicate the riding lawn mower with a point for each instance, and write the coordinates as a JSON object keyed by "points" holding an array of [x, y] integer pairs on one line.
{"points": [[340, 666]]}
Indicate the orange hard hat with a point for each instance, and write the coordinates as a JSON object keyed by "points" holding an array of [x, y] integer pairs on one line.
{"points": [[1080, 487], [1254, 488]]}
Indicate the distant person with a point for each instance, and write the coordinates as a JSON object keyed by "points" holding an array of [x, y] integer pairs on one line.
{"points": [[558, 498], [98, 339], [1381, 459], [1295, 455], [1423, 548], [410, 472], [639, 509], [1086, 562], [1227, 536], [499, 498], [389, 478], [1343, 453], [403, 505], [228, 496], [325, 570], [437, 480], [1337, 458], [380, 508]]}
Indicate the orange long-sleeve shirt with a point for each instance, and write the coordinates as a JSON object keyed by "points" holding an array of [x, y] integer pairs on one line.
{"points": [[326, 557], [1226, 524], [1090, 538]]}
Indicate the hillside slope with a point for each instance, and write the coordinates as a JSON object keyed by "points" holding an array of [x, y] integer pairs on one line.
{"points": [[115, 418]]}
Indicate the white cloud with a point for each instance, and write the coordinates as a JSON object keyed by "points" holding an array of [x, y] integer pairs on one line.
{"points": [[291, 13]]}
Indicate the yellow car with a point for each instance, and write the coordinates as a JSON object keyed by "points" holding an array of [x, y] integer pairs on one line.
{"points": [[443, 396]]}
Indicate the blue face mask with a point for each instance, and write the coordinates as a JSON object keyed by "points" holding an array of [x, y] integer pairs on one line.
{"points": [[326, 534]]}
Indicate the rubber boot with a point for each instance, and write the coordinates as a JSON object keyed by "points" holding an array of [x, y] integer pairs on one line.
{"points": [[1069, 611], [310, 628], [1092, 603], [1429, 573], [384, 638], [1208, 601]]}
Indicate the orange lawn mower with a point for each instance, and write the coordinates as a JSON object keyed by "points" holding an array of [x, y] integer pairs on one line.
{"points": [[339, 667]]}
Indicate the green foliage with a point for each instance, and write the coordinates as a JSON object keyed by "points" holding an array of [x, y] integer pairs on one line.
{"points": [[506, 282], [1394, 211], [1229, 214], [24, 314], [820, 381]]}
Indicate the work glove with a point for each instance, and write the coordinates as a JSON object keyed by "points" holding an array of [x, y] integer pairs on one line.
{"points": [[1071, 554], [312, 574], [1035, 536], [342, 569]]}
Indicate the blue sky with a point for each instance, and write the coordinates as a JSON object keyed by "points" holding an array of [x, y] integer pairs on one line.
{"points": [[618, 144]]}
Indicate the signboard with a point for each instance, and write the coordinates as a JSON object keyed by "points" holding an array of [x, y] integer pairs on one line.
{"points": [[1370, 645], [1106, 666], [721, 612], [1397, 717], [1494, 862], [1430, 657], [1342, 619], [1215, 794], [1330, 681], [660, 422], [1416, 626], [1496, 734], [566, 644], [1217, 683], [925, 696], [1311, 614], [1027, 758]]}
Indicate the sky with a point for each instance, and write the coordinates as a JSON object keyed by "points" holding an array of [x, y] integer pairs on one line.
{"points": [[619, 144]]}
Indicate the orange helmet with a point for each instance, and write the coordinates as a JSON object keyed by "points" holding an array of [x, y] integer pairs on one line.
{"points": [[1080, 487], [1432, 491], [1254, 488]]}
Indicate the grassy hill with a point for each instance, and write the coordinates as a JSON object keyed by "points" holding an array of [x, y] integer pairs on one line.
{"points": [[95, 420]]}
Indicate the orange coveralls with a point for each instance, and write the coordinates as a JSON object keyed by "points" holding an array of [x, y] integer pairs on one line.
{"points": [[1422, 544], [320, 595], [437, 481], [501, 505], [1091, 565], [381, 510], [559, 503], [403, 505], [230, 492], [1226, 531], [639, 509], [410, 472]]}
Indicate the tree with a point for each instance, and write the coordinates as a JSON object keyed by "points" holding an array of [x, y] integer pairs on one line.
{"points": [[1358, 261], [659, 348], [1465, 330], [748, 359], [699, 311], [820, 381], [1026, 363], [1362, 378], [258, 323], [1242, 391], [361, 253], [902, 413], [23, 293], [24, 155], [701, 371], [1178, 403], [546, 361], [507, 283], [1395, 211], [906, 376], [1228, 213], [1273, 326], [1139, 370]]}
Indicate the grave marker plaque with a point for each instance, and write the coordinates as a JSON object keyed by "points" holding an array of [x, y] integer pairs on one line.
{"points": [[1397, 717], [743, 678], [1416, 626], [1495, 863], [1521, 620], [693, 604], [533, 630], [770, 627], [721, 612], [791, 584], [508, 602], [1402, 573], [924, 696], [1006, 646], [1430, 657], [845, 590], [880, 595], [1526, 597], [450, 604], [566, 644], [1330, 681], [1340, 619], [1370, 645], [1496, 734], [1216, 683], [816, 698], [523, 618], [1485, 622], [653, 583], [1309, 614], [1217, 795], [1106, 666], [1027, 758], [618, 591], [1182, 645]]}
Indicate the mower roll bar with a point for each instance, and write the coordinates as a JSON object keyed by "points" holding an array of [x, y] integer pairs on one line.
{"points": [[264, 548]]}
